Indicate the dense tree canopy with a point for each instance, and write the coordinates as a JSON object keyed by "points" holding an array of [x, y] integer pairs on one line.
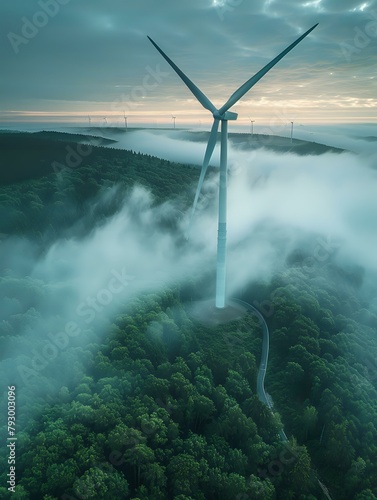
{"points": [[160, 406]]}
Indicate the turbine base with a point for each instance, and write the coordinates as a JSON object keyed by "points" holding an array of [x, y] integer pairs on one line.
{"points": [[206, 312]]}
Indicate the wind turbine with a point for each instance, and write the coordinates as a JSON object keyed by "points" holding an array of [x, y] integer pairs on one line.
{"points": [[252, 126], [173, 118], [222, 115], [90, 121], [125, 121], [292, 132]]}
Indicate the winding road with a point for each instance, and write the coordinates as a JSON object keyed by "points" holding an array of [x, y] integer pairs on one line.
{"points": [[265, 398], [262, 395]]}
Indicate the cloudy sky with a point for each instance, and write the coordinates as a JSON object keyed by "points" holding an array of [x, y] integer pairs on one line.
{"points": [[73, 58]]}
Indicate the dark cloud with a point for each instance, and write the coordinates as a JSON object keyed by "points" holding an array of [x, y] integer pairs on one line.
{"points": [[90, 52]]}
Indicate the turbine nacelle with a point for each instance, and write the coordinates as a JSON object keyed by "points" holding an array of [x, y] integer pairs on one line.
{"points": [[228, 115]]}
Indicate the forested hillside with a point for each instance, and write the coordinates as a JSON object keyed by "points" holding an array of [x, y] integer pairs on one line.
{"points": [[158, 406], [54, 194]]}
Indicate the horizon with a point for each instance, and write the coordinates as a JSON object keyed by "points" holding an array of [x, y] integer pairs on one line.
{"points": [[106, 67], [153, 258]]}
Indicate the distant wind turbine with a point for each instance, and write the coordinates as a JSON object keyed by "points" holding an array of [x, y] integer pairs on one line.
{"points": [[90, 121], [222, 115], [125, 120], [251, 126], [173, 118], [292, 132], [105, 120]]}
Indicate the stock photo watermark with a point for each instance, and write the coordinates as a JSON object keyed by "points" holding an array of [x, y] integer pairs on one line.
{"points": [[323, 251], [75, 155], [363, 36], [30, 27], [59, 341], [11, 439], [151, 80]]}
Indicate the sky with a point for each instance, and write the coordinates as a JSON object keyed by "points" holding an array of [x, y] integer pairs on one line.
{"points": [[63, 60], [93, 58]]}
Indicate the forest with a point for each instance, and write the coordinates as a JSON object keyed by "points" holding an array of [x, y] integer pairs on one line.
{"points": [[157, 405]]}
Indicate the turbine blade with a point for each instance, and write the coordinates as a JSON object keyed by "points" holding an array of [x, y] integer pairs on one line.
{"points": [[207, 158], [203, 99], [236, 96]]}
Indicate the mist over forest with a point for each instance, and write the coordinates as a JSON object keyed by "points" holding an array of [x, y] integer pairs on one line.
{"points": [[97, 276]]}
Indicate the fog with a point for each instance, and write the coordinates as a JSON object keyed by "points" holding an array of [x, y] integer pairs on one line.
{"points": [[173, 145], [277, 203], [164, 144], [356, 138]]}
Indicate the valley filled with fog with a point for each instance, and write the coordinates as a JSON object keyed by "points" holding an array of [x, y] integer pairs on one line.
{"points": [[86, 250]]}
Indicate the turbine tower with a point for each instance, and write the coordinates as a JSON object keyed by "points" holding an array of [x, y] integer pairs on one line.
{"points": [[251, 126], [292, 132], [173, 118], [222, 115], [125, 121], [90, 121]]}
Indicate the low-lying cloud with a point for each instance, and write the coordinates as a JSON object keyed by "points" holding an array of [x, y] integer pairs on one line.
{"points": [[277, 203]]}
